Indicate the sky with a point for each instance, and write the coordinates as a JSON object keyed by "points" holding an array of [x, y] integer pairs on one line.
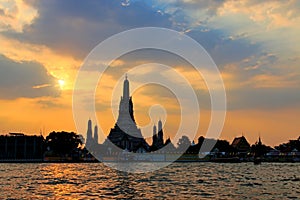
{"points": [[254, 44]]}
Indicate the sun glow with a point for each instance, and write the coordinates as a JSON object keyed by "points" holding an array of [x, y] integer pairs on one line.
{"points": [[61, 83]]}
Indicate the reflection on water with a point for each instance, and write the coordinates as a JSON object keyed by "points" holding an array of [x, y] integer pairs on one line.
{"points": [[186, 180]]}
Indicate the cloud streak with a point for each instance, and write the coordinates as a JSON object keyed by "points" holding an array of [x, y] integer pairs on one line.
{"points": [[25, 79]]}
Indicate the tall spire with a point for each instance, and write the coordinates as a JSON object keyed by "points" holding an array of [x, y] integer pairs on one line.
{"points": [[160, 135], [89, 134], [126, 88], [259, 140], [125, 133], [154, 138], [96, 134], [154, 130], [159, 125]]}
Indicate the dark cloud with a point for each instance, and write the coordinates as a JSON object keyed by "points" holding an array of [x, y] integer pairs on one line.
{"points": [[263, 98], [223, 49], [75, 27], [243, 99], [25, 79]]}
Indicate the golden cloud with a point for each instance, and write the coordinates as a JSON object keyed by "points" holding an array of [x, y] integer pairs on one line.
{"points": [[15, 15]]}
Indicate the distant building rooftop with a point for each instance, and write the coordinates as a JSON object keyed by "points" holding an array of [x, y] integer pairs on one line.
{"points": [[17, 134], [240, 143]]}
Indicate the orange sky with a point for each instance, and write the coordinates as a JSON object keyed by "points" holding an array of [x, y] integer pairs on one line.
{"points": [[253, 44]]}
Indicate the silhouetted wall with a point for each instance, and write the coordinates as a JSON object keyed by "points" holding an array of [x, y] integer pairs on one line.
{"points": [[20, 147]]}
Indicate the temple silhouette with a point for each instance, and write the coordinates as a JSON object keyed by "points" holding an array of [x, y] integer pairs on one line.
{"points": [[91, 142], [125, 134], [125, 137], [158, 137]]}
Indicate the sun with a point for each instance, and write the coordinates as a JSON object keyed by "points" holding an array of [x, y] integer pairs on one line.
{"points": [[61, 83]]}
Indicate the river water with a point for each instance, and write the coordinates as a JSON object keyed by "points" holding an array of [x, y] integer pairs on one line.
{"points": [[177, 181]]}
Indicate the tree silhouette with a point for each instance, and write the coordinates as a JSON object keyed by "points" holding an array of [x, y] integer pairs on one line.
{"points": [[63, 143], [183, 143], [224, 146], [289, 146]]}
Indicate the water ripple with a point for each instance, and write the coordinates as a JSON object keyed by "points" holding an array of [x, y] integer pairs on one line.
{"points": [[179, 180]]}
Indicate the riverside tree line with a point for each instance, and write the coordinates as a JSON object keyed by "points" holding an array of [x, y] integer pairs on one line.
{"points": [[68, 146]]}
